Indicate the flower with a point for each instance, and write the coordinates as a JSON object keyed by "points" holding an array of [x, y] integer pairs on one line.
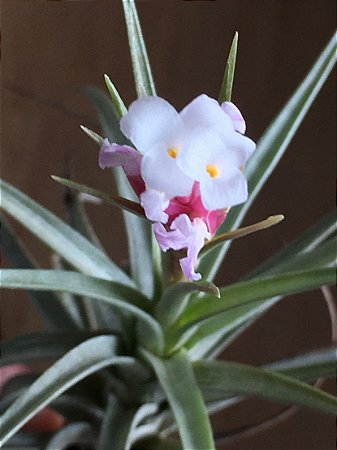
{"points": [[187, 169]]}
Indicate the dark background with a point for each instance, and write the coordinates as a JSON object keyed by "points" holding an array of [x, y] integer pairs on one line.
{"points": [[51, 49]]}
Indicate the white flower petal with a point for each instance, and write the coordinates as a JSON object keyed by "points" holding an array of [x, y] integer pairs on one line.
{"points": [[154, 204], [196, 152], [150, 120], [228, 190], [235, 115], [161, 172], [205, 112]]}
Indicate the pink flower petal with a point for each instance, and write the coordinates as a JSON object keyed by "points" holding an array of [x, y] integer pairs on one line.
{"points": [[184, 234], [114, 155]]}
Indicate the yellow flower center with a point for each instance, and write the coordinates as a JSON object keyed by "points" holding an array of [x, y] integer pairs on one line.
{"points": [[212, 170], [173, 152]]}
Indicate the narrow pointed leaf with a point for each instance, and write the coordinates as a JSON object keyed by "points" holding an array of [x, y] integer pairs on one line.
{"points": [[175, 298], [79, 363], [140, 61], [308, 366], [119, 202], [59, 236], [235, 234], [324, 255], [55, 313], [258, 290], [272, 146], [94, 136], [119, 296], [307, 241], [227, 82], [115, 97], [107, 114], [174, 374], [242, 379], [206, 322], [41, 346]]}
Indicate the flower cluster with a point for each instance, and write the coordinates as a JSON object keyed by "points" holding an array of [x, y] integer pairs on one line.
{"points": [[186, 168]]}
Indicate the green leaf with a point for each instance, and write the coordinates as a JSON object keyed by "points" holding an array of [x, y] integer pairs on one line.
{"points": [[174, 374], [235, 234], [308, 366], [226, 377], [94, 136], [115, 97], [77, 215], [206, 322], [116, 424], [119, 202], [271, 148], [140, 61], [78, 433], [107, 115], [227, 82], [78, 407], [204, 338], [245, 292], [65, 241], [306, 242], [119, 296], [55, 314], [79, 363], [323, 255], [40, 346], [137, 431], [175, 298], [139, 232]]}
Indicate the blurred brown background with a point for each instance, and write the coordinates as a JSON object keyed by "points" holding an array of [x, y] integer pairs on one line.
{"points": [[52, 48]]}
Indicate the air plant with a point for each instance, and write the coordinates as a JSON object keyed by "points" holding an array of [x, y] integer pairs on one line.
{"points": [[133, 355]]}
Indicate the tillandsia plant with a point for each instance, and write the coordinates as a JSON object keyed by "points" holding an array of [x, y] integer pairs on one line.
{"points": [[134, 354]]}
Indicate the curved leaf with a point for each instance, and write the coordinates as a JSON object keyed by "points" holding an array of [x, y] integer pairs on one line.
{"points": [[308, 366], [242, 293], [59, 236], [116, 424], [117, 295], [79, 363], [206, 322], [40, 346], [175, 297], [227, 377], [174, 374], [306, 242], [55, 314], [74, 433], [271, 148]]}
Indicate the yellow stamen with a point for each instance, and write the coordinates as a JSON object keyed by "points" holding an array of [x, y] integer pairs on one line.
{"points": [[173, 152], [212, 170]]}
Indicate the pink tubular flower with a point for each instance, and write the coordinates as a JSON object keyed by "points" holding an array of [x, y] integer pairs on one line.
{"points": [[187, 169]]}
